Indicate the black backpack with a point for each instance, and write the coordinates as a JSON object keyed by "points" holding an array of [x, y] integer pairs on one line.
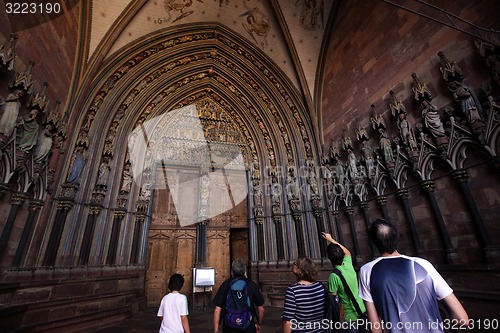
{"points": [[333, 313], [238, 312]]}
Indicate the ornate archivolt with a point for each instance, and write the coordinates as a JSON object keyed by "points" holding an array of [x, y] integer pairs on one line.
{"points": [[267, 119]]}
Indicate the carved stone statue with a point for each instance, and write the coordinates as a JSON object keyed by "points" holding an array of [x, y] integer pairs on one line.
{"points": [[103, 175], [10, 112], [312, 180], [28, 131], [44, 145], [339, 173], [469, 103], [385, 146], [334, 150], [77, 164], [7, 54], [368, 157], [275, 191], [432, 119], [351, 164], [406, 132], [126, 179], [257, 195], [377, 120], [292, 189]]}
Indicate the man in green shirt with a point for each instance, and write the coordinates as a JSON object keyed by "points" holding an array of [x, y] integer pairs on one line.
{"points": [[341, 259]]}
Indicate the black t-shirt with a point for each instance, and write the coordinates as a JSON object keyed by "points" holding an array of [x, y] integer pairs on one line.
{"points": [[256, 299]]}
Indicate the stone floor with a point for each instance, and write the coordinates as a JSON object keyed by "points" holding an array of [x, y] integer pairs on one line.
{"points": [[200, 322]]}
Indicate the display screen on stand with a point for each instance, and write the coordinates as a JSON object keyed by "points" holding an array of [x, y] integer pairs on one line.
{"points": [[203, 279]]}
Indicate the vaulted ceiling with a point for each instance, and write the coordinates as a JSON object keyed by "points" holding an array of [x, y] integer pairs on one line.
{"points": [[291, 32]]}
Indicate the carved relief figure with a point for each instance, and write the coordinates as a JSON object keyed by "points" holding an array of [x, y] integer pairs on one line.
{"points": [[10, 112]]}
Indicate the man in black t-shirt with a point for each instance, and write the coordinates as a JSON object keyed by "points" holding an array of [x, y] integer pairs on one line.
{"points": [[238, 270]]}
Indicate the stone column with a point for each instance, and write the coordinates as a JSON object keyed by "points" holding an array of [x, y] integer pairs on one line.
{"points": [[280, 246], [318, 216], [451, 254], [382, 201], [88, 235], [17, 201], [34, 207], [203, 216], [350, 217], [95, 207], [490, 252], [337, 227], [404, 195], [201, 243], [259, 226], [66, 202], [63, 207], [136, 241], [115, 237], [299, 232], [366, 216]]}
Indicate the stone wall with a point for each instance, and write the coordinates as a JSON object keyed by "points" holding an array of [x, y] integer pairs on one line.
{"points": [[375, 48], [64, 299]]}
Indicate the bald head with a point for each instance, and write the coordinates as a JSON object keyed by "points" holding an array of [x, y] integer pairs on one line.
{"points": [[384, 236]]}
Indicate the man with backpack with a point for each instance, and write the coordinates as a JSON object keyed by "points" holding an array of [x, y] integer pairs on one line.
{"points": [[239, 304]]}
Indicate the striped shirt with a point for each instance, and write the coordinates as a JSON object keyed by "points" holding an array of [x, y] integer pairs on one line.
{"points": [[304, 305]]}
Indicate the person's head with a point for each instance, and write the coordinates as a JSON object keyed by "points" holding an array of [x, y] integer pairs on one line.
{"points": [[335, 254], [238, 267], [176, 282], [305, 269], [383, 235]]}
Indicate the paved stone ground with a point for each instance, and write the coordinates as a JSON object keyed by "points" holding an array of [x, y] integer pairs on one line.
{"points": [[200, 322]]}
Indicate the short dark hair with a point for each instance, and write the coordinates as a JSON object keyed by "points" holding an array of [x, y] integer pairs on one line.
{"points": [[176, 282], [238, 267], [383, 235], [307, 269], [335, 254]]}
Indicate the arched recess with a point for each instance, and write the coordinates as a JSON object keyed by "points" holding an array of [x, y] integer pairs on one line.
{"points": [[170, 70]]}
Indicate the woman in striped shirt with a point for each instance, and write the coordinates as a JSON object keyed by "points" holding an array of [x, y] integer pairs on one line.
{"points": [[304, 300]]}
